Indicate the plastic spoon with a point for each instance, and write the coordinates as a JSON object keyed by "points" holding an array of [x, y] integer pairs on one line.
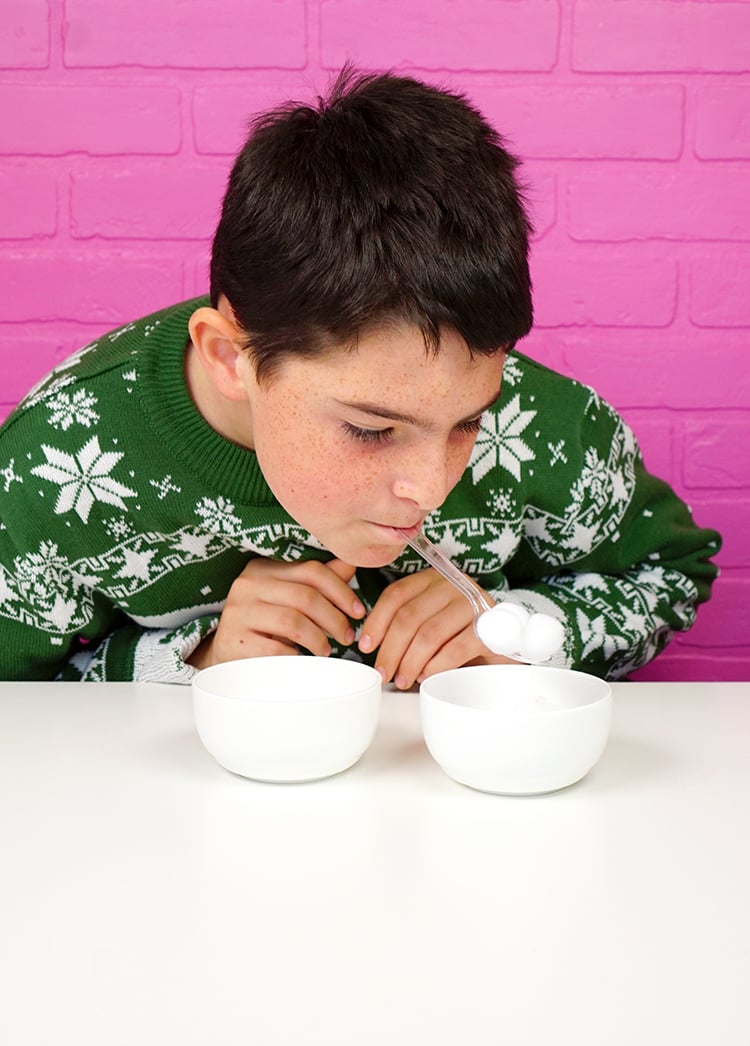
{"points": [[505, 628]]}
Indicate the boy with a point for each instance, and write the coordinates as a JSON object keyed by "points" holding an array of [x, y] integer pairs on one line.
{"points": [[226, 478]]}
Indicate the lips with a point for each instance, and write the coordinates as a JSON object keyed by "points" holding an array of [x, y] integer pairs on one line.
{"points": [[410, 529]]}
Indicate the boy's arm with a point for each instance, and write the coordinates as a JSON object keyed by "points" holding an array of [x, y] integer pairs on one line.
{"points": [[140, 654], [622, 603], [58, 624], [39, 644], [47, 609]]}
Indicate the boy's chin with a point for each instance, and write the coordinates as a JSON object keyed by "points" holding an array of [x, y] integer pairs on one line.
{"points": [[371, 556]]}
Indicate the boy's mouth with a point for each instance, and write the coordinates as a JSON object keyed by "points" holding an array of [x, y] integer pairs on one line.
{"points": [[397, 532]]}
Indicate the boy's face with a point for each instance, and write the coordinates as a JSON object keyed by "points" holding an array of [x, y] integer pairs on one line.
{"points": [[358, 442]]}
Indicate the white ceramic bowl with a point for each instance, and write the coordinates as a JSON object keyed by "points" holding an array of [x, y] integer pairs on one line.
{"points": [[287, 719], [515, 729]]}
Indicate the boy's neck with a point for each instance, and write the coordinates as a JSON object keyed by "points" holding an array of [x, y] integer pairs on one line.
{"points": [[230, 418]]}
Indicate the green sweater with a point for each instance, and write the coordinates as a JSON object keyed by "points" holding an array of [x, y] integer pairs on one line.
{"points": [[125, 518]]}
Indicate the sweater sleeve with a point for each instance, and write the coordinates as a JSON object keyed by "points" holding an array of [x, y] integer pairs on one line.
{"points": [[632, 566], [140, 654], [56, 622], [56, 625]]}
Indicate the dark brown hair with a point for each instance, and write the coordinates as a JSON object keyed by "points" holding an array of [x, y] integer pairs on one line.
{"points": [[388, 200]]}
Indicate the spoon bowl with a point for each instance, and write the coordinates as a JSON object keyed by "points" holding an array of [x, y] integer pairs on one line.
{"points": [[505, 628]]}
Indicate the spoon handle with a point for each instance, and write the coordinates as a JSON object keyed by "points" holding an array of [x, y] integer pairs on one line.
{"points": [[448, 569], [480, 605]]}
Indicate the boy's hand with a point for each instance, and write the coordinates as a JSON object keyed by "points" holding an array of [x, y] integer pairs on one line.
{"points": [[275, 608], [423, 625]]}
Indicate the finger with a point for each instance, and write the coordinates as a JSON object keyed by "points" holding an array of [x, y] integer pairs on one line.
{"points": [[331, 580], [463, 649], [230, 643], [345, 571], [299, 615], [449, 627], [395, 597], [310, 588], [260, 575], [417, 629]]}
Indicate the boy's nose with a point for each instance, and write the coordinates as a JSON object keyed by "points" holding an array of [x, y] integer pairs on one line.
{"points": [[426, 483]]}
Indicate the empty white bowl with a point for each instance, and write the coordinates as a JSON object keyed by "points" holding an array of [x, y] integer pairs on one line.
{"points": [[286, 719], [515, 729]]}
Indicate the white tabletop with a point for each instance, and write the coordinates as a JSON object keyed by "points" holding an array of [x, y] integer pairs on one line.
{"points": [[149, 897]]}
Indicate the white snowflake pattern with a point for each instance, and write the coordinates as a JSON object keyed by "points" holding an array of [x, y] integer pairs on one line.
{"points": [[66, 410], [503, 504], [83, 479], [593, 483], [512, 370], [46, 388], [557, 452], [46, 581], [136, 563], [500, 443], [7, 591], [118, 527], [218, 515], [10, 475], [164, 486]]}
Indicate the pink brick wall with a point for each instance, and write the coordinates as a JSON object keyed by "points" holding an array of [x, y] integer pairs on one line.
{"points": [[633, 116]]}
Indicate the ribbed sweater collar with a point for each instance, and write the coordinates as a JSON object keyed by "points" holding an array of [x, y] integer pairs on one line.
{"points": [[176, 422]]}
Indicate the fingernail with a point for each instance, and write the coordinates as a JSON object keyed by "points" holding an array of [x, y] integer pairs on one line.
{"points": [[383, 673], [401, 683], [349, 637], [357, 608], [365, 644]]}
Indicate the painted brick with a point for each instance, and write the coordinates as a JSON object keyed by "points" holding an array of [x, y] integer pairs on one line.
{"points": [[100, 287], [197, 276], [24, 34], [150, 203], [652, 35], [28, 203], [540, 193], [682, 368], [618, 122], [29, 351], [671, 203], [442, 34], [722, 123], [592, 286], [589, 145], [212, 34], [24, 359], [221, 114], [717, 452], [63, 118], [720, 665], [720, 290]]}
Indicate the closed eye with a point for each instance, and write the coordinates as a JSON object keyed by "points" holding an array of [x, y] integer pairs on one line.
{"points": [[472, 426], [372, 436]]}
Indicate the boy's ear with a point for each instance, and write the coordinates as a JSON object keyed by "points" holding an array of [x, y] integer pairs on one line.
{"points": [[215, 338]]}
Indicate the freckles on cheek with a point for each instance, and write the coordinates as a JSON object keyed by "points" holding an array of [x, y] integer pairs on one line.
{"points": [[345, 476]]}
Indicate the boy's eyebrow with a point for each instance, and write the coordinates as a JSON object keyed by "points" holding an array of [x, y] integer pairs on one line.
{"points": [[406, 419]]}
